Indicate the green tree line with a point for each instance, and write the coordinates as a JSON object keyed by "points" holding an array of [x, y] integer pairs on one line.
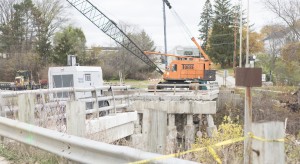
{"points": [[276, 46], [35, 35]]}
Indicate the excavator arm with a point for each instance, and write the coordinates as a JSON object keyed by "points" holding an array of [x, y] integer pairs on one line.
{"points": [[200, 49], [111, 29]]}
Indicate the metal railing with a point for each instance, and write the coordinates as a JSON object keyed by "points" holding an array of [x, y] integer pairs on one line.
{"points": [[72, 147], [192, 87]]}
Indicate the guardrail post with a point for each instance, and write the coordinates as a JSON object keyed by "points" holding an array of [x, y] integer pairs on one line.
{"points": [[96, 105], [114, 99], [174, 89], [26, 108], [76, 118]]}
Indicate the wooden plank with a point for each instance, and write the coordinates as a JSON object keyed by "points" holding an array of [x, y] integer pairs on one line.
{"points": [[268, 152]]}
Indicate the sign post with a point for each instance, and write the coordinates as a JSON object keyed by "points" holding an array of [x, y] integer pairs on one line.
{"points": [[248, 77]]}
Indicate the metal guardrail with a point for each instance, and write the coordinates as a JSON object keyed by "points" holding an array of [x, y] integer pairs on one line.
{"points": [[55, 90], [72, 147]]}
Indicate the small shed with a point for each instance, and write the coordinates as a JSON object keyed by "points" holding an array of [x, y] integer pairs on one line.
{"points": [[75, 76]]}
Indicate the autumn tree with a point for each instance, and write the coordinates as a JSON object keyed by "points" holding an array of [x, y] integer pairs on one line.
{"points": [[288, 68], [205, 23]]}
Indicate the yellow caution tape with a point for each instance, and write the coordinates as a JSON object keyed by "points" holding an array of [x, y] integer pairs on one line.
{"points": [[214, 154], [210, 149], [251, 135], [230, 141]]}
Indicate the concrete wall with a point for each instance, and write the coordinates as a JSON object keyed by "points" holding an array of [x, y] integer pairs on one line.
{"points": [[192, 107], [169, 126]]}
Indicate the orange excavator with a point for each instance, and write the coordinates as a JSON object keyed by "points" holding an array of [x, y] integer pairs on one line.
{"points": [[188, 69]]}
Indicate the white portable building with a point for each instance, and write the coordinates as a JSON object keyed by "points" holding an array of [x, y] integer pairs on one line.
{"points": [[75, 76]]}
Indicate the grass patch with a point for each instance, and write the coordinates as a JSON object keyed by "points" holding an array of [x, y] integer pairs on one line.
{"points": [[19, 153]]}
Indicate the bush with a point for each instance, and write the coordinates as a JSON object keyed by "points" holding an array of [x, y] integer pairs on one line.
{"points": [[232, 153]]}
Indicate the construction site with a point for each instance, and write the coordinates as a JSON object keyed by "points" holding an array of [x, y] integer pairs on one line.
{"points": [[187, 109]]}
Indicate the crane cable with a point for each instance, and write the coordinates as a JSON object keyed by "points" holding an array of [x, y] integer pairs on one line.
{"points": [[180, 22], [178, 18]]}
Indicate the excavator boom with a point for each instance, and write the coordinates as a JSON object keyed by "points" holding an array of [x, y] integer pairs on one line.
{"points": [[111, 29]]}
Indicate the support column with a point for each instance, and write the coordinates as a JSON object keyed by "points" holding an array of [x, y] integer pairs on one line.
{"points": [[211, 127], [76, 118], [136, 140], [189, 131], [172, 135], [26, 108], [199, 133]]}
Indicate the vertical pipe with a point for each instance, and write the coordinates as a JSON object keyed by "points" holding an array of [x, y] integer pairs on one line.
{"points": [[241, 31], [165, 33]]}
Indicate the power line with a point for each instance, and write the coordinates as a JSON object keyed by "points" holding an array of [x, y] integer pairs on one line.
{"points": [[222, 44]]}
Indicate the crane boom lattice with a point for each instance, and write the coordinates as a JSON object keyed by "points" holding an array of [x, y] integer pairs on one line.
{"points": [[111, 29]]}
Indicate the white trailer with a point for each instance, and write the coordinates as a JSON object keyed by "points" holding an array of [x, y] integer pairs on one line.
{"points": [[75, 76]]}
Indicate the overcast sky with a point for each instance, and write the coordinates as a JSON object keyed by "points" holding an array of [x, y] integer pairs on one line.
{"points": [[147, 15]]}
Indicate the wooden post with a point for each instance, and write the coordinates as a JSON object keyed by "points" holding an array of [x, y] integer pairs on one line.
{"points": [[264, 151], [26, 108], [247, 125], [76, 118]]}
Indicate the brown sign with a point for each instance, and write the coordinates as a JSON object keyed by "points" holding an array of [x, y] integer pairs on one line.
{"points": [[248, 77]]}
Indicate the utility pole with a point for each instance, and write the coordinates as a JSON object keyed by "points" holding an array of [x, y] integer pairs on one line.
{"points": [[248, 104], [234, 51], [247, 48], [241, 31], [165, 2], [165, 33]]}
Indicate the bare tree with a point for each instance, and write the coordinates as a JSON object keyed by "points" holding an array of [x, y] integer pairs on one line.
{"points": [[6, 10], [288, 11], [52, 15]]}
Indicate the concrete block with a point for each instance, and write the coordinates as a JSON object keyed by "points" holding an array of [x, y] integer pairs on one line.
{"points": [[113, 134], [107, 122]]}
